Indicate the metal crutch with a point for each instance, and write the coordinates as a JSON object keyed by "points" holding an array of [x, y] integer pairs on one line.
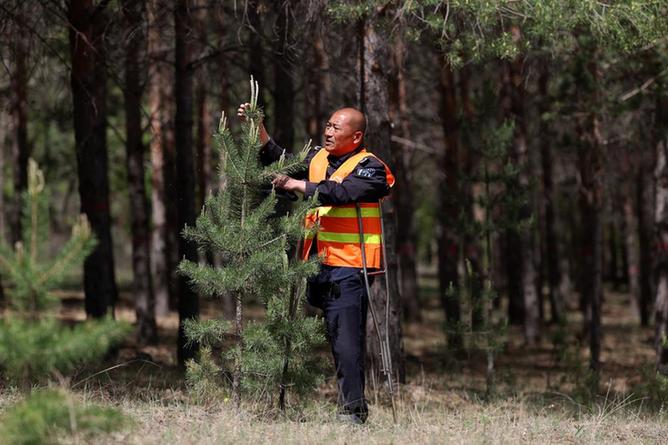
{"points": [[384, 341]]}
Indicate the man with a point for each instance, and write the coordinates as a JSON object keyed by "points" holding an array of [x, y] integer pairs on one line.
{"points": [[348, 180]]}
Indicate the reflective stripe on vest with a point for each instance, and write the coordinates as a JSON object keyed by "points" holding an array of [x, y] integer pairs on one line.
{"points": [[338, 236]]}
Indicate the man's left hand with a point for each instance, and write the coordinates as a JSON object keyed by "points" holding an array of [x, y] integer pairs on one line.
{"points": [[289, 184]]}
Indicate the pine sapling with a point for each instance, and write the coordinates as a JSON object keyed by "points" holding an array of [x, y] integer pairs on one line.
{"points": [[34, 344], [239, 225]]}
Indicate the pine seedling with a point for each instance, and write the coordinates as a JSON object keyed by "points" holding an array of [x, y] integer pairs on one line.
{"points": [[34, 344], [52, 416], [501, 201], [29, 328], [239, 225]]}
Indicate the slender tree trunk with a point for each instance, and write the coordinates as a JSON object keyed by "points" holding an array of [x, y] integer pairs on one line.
{"points": [[147, 332], [204, 130], [661, 234], [317, 93], [228, 302], [185, 171], [645, 208], [158, 91], [513, 268], [448, 248], [474, 251], [284, 89], [633, 248], [530, 297], [238, 329], [590, 154], [613, 259], [19, 87], [256, 50], [87, 50], [374, 102], [4, 129], [403, 192], [551, 235], [204, 121]]}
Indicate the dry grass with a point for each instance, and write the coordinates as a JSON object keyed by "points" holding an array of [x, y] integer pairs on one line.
{"points": [[441, 402], [425, 417]]}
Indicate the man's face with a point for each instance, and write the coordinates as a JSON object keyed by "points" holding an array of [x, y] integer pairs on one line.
{"points": [[340, 136]]}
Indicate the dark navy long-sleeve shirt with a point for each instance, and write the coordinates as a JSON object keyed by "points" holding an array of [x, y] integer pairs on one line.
{"points": [[367, 182]]}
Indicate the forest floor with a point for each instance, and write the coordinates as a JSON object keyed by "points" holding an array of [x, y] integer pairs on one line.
{"points": [[541, 395]]}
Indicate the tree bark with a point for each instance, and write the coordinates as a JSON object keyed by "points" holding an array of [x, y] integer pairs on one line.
{"points": [[630, 227], [4, 130], [551, 234], [256, 50], [88, 80], [661, 236], [284, 89], [590, 159], [204, 130], [161, 149], [406, 236], [317, 92], [645, 208], [4, 126], [188, 303], [525, 239], [448, 246], [19, 87], [147, 331], [374, 101], [204, 121], [228, 300]]}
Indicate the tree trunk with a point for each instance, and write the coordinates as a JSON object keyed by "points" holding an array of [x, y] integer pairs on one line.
{"points": [[513, 264], [204, 130], [256, 50], [374, 101], [4, 126], [317, 92], [284, 90], [661, 236], [147, 332], [4, 130], [525, 239], [448, 247], [228, 300], [551, 235], [188, 303], [590, 158], [476, 265], [404, 194], [614, 274], [19, 86], [645, 208], [633, 248], [204, 121], [161, 148], [88, 79]]}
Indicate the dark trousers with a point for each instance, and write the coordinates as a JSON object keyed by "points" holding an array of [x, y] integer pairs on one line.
{"points": [[345, 304]]}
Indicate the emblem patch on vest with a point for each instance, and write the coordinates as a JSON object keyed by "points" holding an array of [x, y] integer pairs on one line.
{"points": [[366, 172]]}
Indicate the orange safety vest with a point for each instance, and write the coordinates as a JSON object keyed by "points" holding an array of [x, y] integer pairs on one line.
{"points": [[338, 235]]}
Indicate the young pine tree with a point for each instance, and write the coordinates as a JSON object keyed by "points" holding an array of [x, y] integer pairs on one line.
{"points": [[34, 344], [239, 225], [502, 202]]}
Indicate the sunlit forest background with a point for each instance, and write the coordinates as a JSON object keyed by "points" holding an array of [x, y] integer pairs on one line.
{"points": [[527, 234]]}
